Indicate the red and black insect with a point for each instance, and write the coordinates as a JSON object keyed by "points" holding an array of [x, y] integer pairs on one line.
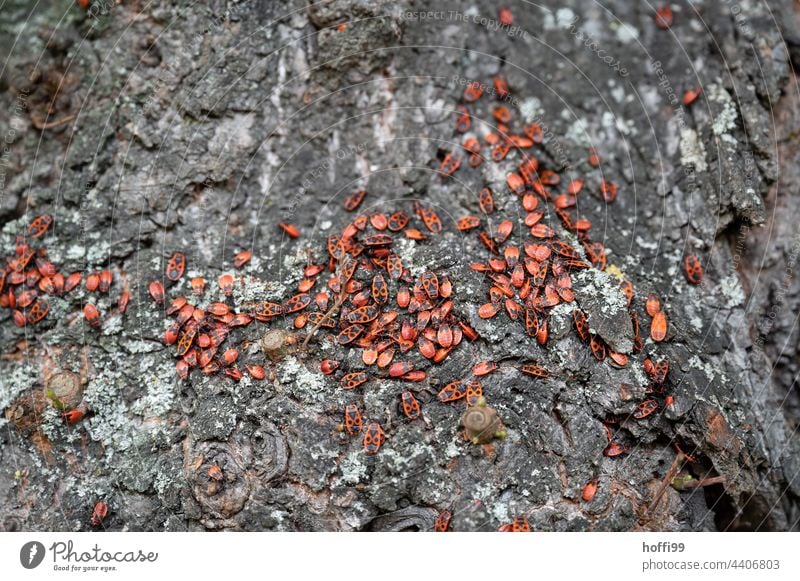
{"points": [[265, 311], [520, 525], [374, 437], [72, 417], [242, 258], [400, 368], [626, 287], [598, 347], [473, 392], [73, 280], [658, 327], [92, 282], [122, 302], [99, 513], [255, 371], [380, 290], [394, 266], [176, 266], [291, 230], [442, 521], [664, 16], [296, 303], [353, 380], [644, 409], [39, 226], [589, 490], [37, 311], [354, 200], [363, 315], [581, 325], [652, 304], [106, 279], [450, 163], [225, 283], [352, 420], [500, 86], [535, 370], [453, 391], [473, 92], [410, 405], [350, 334], [608, 190], [430, 218], [614, 448], [397, 221], [693, 269], [486, 200], [657, 372], [328, 366], [463, 122], [484, 368], [186, 340], [691, 95]]}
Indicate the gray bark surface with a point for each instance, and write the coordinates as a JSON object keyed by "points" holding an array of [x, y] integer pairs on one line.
{"points": [[198, 127]]}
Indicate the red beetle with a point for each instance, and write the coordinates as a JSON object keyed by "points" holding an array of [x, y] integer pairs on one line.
{"points": [[658, 327], [693, 269], [614, 449], [644, 409], [691, 95], [72, 417], [473, 393], [410, 405], [37, 311], [156, 290], [484, 368], [453, 391], [352, 420], [99, 513], [106, 278], [486, 200], [442, 521], [353, 380], [92, 282], [291, 230], [176, 266], [73, 280], [122, 302], [182, 369], [19, 318], [664, 16], [589, 490], [463, 122], [374, 437], [328, 366], [242, 258], [354, 200], [473, 92], [226, 284], [520, 525], [505, 16], [198, 285], [40, 225], [91, 314]]}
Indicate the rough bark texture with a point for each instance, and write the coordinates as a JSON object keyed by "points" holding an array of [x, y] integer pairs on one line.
{"points": [[200, 126]]}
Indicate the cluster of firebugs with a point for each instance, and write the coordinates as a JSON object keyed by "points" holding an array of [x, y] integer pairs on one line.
{"points": [[372, 302]]}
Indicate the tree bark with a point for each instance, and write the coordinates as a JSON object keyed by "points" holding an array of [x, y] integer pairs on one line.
{"points": [[149, 128]]}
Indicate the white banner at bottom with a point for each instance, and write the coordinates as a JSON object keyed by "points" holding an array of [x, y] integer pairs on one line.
{"points": [[379, 556]]}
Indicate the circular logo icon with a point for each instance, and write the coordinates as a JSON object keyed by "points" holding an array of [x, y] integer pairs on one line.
{"points": [[31, 554]]}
